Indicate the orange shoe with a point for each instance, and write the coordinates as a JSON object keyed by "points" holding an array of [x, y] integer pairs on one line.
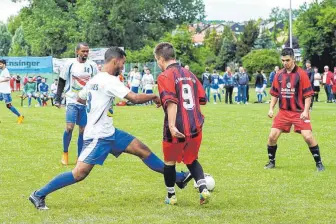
{"points": [[65, 158], [20, 119]]}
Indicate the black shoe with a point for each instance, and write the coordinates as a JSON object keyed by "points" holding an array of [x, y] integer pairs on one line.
{"points": [[270, 165], [184, 182], [320, 167], [38, 202]]}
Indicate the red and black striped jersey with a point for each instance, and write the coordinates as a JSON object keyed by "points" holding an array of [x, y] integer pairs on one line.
{"points": [[178, 85], [292, 89]]}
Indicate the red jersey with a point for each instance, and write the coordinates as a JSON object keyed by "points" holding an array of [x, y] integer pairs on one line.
{"points": [[180, 86], [292, 89], [330, 78]]}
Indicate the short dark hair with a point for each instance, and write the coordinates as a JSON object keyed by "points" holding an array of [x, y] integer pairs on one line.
{"points": [[135, 66], [81, 44], [287, 52], [114, 52], [164, 50], [3, 61]]}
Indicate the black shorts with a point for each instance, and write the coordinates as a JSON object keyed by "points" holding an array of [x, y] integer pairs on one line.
{"points": [[316, 88]]}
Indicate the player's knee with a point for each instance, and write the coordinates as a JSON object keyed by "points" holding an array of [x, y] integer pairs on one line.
{"points": [[308, 138], [69, 128], [80, 174], [9, 105], [81, 130], [272, 139]]}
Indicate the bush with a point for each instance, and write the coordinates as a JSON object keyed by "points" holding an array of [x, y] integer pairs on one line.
{"points": [[264, 59]]}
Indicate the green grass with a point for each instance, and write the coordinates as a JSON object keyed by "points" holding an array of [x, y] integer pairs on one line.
{"points": [[124, 190]]}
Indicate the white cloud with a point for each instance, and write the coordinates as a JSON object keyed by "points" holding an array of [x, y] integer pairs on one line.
{"points": [[8, 8]]}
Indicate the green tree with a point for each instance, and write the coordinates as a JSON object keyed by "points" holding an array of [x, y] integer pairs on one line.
{"points": [[228, 49], [247, 39], [264, 59], [5, 40], [19, 46], [264, 41], [213, 41]]}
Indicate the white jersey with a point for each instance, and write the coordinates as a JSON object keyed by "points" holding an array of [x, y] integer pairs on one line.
{"points": [[5, 86], [147, 82], [100, 92], [135, 79], [53, 88], [76, 75], [317, 79]]}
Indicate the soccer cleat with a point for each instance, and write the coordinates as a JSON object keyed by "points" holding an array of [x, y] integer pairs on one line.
{"points": [[205, 196], [65, 158], [270, 165], [38, 202], [320, 167], [187, 177], [20, 119], [171, 201]]}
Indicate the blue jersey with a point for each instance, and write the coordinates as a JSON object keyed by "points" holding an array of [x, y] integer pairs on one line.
{"points": [[43, 88], [206, 78], [214, 81], [221, 80]]}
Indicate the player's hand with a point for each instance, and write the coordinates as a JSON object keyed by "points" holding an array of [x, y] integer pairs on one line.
{"points": [[304, 115], [157, 101], [270, 113], [176, 133]]}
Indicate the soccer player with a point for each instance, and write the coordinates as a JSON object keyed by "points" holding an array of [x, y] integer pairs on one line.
{"points": [[30, 91], [135, 80], [292, 87], [73, 78], [53, 91], [43, 89], [181, 96], [206, 82], [5, 90], [214, 85], [101, 137], [148, 82]]}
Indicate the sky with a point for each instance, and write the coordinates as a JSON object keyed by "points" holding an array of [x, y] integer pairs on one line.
{"points": [[229, 10]]}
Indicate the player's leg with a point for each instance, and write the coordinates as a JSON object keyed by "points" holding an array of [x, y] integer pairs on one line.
{"points": [[219, 95], [169, 175], [29, 95], [38, 99], [214, 92], [272, 146], [71, 117], [81, 122], [207, 88], [79, 173], [239, 98], [313, 148]]}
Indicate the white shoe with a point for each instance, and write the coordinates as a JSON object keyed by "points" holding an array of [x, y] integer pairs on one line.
{"points": [[215, 103], [246, 103], [37, 105]]}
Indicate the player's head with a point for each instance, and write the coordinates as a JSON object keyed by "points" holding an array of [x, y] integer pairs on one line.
{"points": [[187, 67], [148, 71], [82, 51], [30, 79], [287, 58], [164, 54], [3, 63], [316, 69], [326, 68], [308, 64], [135, 68], [214, 71], [114, 60], [99, 67], [241, 69], [43, 80], [228, 69]]}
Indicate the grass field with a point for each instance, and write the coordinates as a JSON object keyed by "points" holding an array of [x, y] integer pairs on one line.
{"points": [[124, 190]]}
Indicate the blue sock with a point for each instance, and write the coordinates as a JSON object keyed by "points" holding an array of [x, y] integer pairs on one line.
{"points": [[58, 182], [219, 97], [39, 101], [13, 109], [29, 101], [66, 140], [215, 98], [156, 164], [79, 143]]}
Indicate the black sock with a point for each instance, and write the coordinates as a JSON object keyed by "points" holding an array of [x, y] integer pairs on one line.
{"points": [[271, 152], [197, 173], [169, 173], [315, 151]]}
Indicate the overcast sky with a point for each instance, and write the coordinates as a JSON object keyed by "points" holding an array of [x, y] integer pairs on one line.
{"points": [[230, 10]]}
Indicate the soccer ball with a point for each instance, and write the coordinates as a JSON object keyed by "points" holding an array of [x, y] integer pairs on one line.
{"points": [[210, 182]]}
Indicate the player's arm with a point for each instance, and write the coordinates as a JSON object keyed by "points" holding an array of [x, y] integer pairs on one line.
{"points": [[142, 98], [6, 79], [171, 111]]}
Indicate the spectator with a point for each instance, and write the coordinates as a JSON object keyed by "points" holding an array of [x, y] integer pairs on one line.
{"points": [[214, 85], [228, 83], [259, 86], [265, 83], [11, 83], [30, 90], [18, 83], [242, 80], [328, 83], [43, 90], [316, 84], [206, 76], [310, 73], [272, 74], [53, 91], [334, 87], [134, 79]]}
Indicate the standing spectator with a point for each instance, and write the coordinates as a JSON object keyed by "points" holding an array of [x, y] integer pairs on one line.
{"points": [[18, 83], [242, 80], [53, 91], [43, 90], [259, 86], [214, 85], [247, 87], [316, 84], [264, 83], [148, 83], [310, 73], [327, 81], [334, 87], [206, 83], [228, 83], [272, 74], [11, 83], [221, 84], [134, 79]]}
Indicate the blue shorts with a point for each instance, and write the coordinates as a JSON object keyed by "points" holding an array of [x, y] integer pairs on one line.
{"points": [[135, 89], [76, 114], [7, 97], [95, 151], [149, 91]]}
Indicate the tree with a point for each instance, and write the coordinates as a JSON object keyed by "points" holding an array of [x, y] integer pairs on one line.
{"points": [[315, 28], [19, 44], [264, 59], [5, 40], [213, 41], [247, 39], [264, 41], [228, 49]]}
